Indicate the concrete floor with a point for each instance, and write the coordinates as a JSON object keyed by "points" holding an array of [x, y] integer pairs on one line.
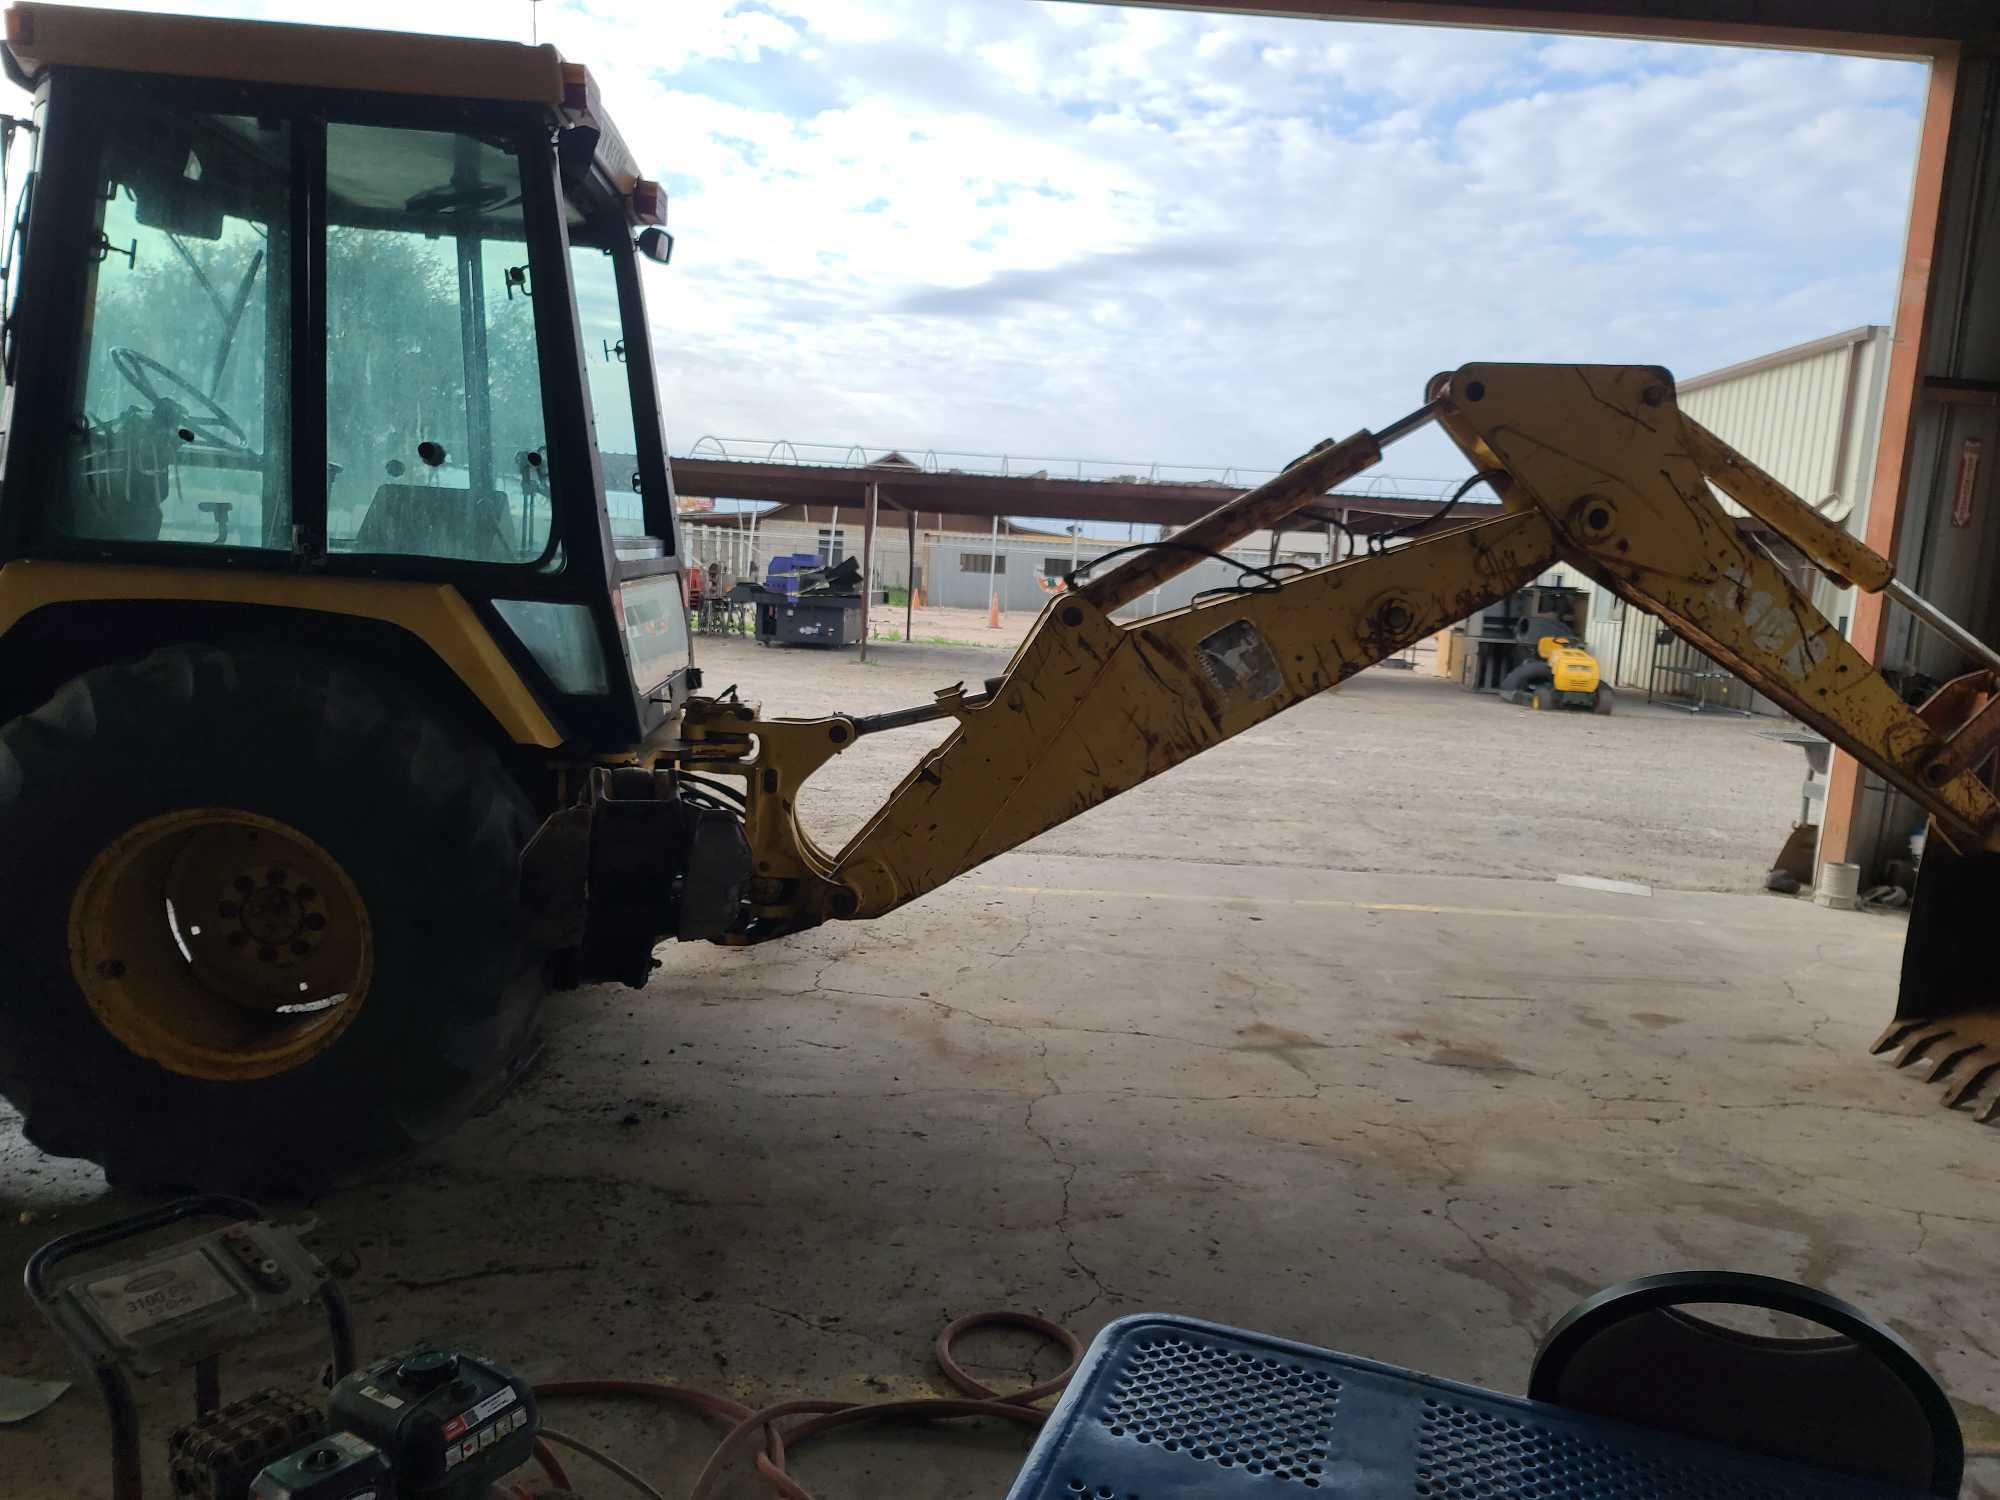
{"points": [[1303, 1037]]}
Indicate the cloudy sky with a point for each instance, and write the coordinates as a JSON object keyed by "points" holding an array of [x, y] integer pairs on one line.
{"points": [[1070, 229]]}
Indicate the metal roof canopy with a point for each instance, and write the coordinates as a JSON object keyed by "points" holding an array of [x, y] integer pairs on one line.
{"points": [[993, 495], [997, 495], [1874, 28]]}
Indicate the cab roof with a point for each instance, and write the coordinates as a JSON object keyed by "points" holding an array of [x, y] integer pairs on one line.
{"points": [[286, 54]]}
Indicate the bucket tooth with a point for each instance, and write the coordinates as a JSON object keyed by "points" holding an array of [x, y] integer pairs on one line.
{"points": [[1894, 1036], [1959, 1053], [1951, 1058], [1920, 1043], [1961, 1093]]}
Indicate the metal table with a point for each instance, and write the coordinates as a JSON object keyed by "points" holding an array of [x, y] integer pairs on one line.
{"points": [[1169, 1408]]}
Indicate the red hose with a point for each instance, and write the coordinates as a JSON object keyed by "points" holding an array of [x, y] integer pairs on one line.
{"points": [[551, 1465], [979, 1400]]}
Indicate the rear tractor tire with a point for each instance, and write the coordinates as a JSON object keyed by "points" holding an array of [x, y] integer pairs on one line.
{"points": [[259, 915], [1545, 697]]}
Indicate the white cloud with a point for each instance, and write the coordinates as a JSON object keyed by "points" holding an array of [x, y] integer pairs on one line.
{"points": [[1141, 234]]}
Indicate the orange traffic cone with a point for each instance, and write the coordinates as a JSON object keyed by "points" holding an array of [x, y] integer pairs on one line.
{"points": [[993, 612]]}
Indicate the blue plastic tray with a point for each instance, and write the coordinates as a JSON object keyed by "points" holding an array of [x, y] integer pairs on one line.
{"points": [[1165, 1407]]}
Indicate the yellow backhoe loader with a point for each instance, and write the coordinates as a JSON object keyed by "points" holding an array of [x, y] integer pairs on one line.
{"points": [[348, 702]]}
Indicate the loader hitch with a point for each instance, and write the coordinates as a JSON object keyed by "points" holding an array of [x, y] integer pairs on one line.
{"points": [[630, 863]]}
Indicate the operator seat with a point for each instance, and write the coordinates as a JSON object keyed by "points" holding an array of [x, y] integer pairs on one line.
{"points": [[119, 476], [424, 520]]}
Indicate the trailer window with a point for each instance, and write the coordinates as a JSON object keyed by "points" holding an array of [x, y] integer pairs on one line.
{"points": [[433, 387], [180, 423]]}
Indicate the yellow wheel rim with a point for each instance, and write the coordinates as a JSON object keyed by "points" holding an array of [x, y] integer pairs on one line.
{"points": [[220, 944]]}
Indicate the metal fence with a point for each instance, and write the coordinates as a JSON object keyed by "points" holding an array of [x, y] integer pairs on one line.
{"points": [[732, 547]]}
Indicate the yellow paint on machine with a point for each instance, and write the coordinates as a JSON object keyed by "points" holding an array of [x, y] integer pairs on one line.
{"points": [[1571, 668], [435, 613], [1595, 467]]}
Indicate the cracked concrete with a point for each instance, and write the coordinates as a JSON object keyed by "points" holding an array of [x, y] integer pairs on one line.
{"points": [[1180, 1060]]}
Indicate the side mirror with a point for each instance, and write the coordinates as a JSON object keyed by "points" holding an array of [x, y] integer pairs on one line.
{"points": [[656, 245]]}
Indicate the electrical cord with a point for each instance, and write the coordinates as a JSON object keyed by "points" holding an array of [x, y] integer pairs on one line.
{"points": [[1268, 578], [1352, 547], [715, 796], [765, 1425], [1277, 571], [711, 804], [551, 1465], [711, 784], [1379, 541], [564, 1440], [1272, 576]]}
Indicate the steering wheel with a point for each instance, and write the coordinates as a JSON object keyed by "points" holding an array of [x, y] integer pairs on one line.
{"points": [[215, 427]]}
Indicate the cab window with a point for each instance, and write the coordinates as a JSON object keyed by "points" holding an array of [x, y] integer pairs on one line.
{"points": [[178, 433], [605, 362], [434, 427]]}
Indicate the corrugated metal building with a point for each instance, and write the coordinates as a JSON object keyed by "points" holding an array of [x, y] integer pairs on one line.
{"points": [[1811, 416]]}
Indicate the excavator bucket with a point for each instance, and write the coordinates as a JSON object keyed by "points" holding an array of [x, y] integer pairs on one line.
{"points": [[1947, 1025]]}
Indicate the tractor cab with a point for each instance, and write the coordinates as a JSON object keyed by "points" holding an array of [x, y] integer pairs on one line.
{"points": [[337, 308]]}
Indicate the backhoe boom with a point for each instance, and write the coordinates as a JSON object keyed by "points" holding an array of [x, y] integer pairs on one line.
{"points": [[1595, 467]]}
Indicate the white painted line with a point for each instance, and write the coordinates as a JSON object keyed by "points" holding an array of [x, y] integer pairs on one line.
{"points": [[1202, 898], [1596, 883]]}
